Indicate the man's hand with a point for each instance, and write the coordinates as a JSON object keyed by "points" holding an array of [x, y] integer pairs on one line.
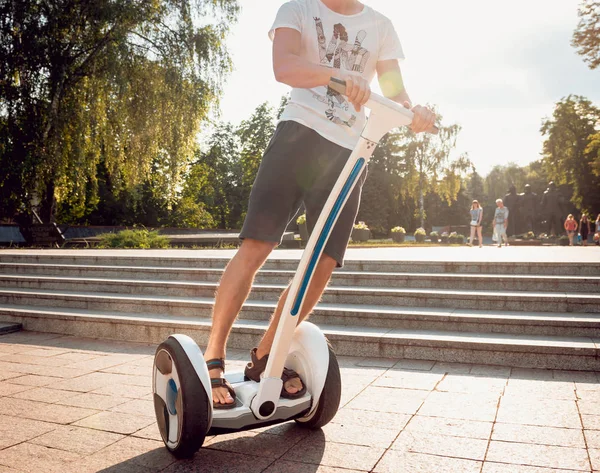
{"points": [[358, 90], [424, 118]]}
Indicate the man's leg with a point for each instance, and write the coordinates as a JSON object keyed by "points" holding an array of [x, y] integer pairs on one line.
{"points": [[233, 290], [318, 284]]}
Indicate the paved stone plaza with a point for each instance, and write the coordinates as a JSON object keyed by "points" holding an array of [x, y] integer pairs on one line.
{"points": [[83, 405]]}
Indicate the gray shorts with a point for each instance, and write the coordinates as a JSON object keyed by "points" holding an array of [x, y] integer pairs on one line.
{"points": [[299, 166]]}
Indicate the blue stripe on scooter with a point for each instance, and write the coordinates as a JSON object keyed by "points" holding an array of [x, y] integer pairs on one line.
{"points": [[337, 208]]}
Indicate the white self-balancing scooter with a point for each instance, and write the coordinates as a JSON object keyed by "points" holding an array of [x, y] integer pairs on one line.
{"points": [[180, 381]]}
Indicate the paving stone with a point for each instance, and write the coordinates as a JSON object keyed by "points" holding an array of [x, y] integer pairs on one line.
{"points": [[315, 450], [92, 401], [140, 452], [531, 374], [44, 395], [590, 422], [547, 389], [117, 422], [543, 412], [539, 435], [34, 360], [290, 430], [588, 407], [416, 365], [491, 371], [23, 429], [74, 357], [136, 407], [36, 458], [60, 414], [451, 368], [130, 369], [592, 438], [489, 467], [7, 389], [210, 461], [368, 436], [251, 443], [397, 461], [451, 427], [126, 391], [408, 380], [46, 352], [284, 466], [403, 401], [5, 469], [77, 439], [35, 380], [151, 432], [538, 455], [471, 384], [480, 407], [583, 377], [97, 380], [5, 374], [101, 362], [594, 458], [355, 417], [377, 362], [433, 444]]}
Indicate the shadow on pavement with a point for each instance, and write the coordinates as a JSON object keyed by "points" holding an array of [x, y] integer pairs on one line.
{"points": [[297, 450]]}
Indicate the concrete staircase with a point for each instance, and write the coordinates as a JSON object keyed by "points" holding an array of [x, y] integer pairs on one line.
{"points": [[544, 315]]}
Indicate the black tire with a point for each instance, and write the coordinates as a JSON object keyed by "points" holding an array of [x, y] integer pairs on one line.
{"points": [[329, 401], [193, 408]]}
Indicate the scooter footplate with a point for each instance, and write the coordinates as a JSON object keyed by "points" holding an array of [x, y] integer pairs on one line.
{"points": [[241, 417]]}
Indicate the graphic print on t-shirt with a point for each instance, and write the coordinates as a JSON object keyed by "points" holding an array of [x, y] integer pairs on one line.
{"points": [[339, 53]]}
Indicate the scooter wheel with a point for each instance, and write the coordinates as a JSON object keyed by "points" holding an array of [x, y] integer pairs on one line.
{"points": [[181, 403], [329, 401]]}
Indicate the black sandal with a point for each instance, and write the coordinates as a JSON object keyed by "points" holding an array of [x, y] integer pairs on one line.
{"points": [[220, 382], [256, 367]]}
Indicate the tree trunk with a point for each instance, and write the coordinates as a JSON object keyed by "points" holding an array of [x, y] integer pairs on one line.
{"points": [[48, 204]]}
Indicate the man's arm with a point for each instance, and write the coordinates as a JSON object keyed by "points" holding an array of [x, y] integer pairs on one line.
{"points": [[392, 86], [295, 71]]}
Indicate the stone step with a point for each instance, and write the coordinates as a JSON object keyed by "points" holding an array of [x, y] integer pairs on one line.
{"points": [[10, 327], [507, 282], [558, 352], [373, 316], [153, 292], [290, 263]]}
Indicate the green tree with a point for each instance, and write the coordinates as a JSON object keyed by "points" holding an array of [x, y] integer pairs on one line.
{"points": [[215, 178], [430, 168], [568, 150], [255, 133], [586, 38], [121, 82]]}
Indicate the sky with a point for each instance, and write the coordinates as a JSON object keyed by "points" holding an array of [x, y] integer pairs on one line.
{"points": [[495, 68]]}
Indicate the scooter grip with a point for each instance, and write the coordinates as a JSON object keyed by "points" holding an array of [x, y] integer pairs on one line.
{"points": [[340, 87]]}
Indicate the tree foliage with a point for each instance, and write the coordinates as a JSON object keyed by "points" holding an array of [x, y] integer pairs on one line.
{"points": [[122, 84], [586, 38], [570, 153]]}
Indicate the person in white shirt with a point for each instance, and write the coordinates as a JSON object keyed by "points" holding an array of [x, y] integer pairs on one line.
{"points": [[501, 222], [313, 41]]}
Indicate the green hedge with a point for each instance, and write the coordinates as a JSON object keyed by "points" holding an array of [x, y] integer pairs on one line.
{"points": [[133, 239]]}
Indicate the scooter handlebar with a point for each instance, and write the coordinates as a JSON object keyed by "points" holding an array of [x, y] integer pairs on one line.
{"points": [[340, 87]]}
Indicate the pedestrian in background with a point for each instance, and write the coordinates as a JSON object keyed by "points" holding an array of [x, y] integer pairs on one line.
{"points": [[584, 228], [501, 222], [571, 228], [476, 218], [597, 234]]}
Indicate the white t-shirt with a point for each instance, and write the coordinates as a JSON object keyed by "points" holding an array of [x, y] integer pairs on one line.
{"points": [[354, 43]]}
